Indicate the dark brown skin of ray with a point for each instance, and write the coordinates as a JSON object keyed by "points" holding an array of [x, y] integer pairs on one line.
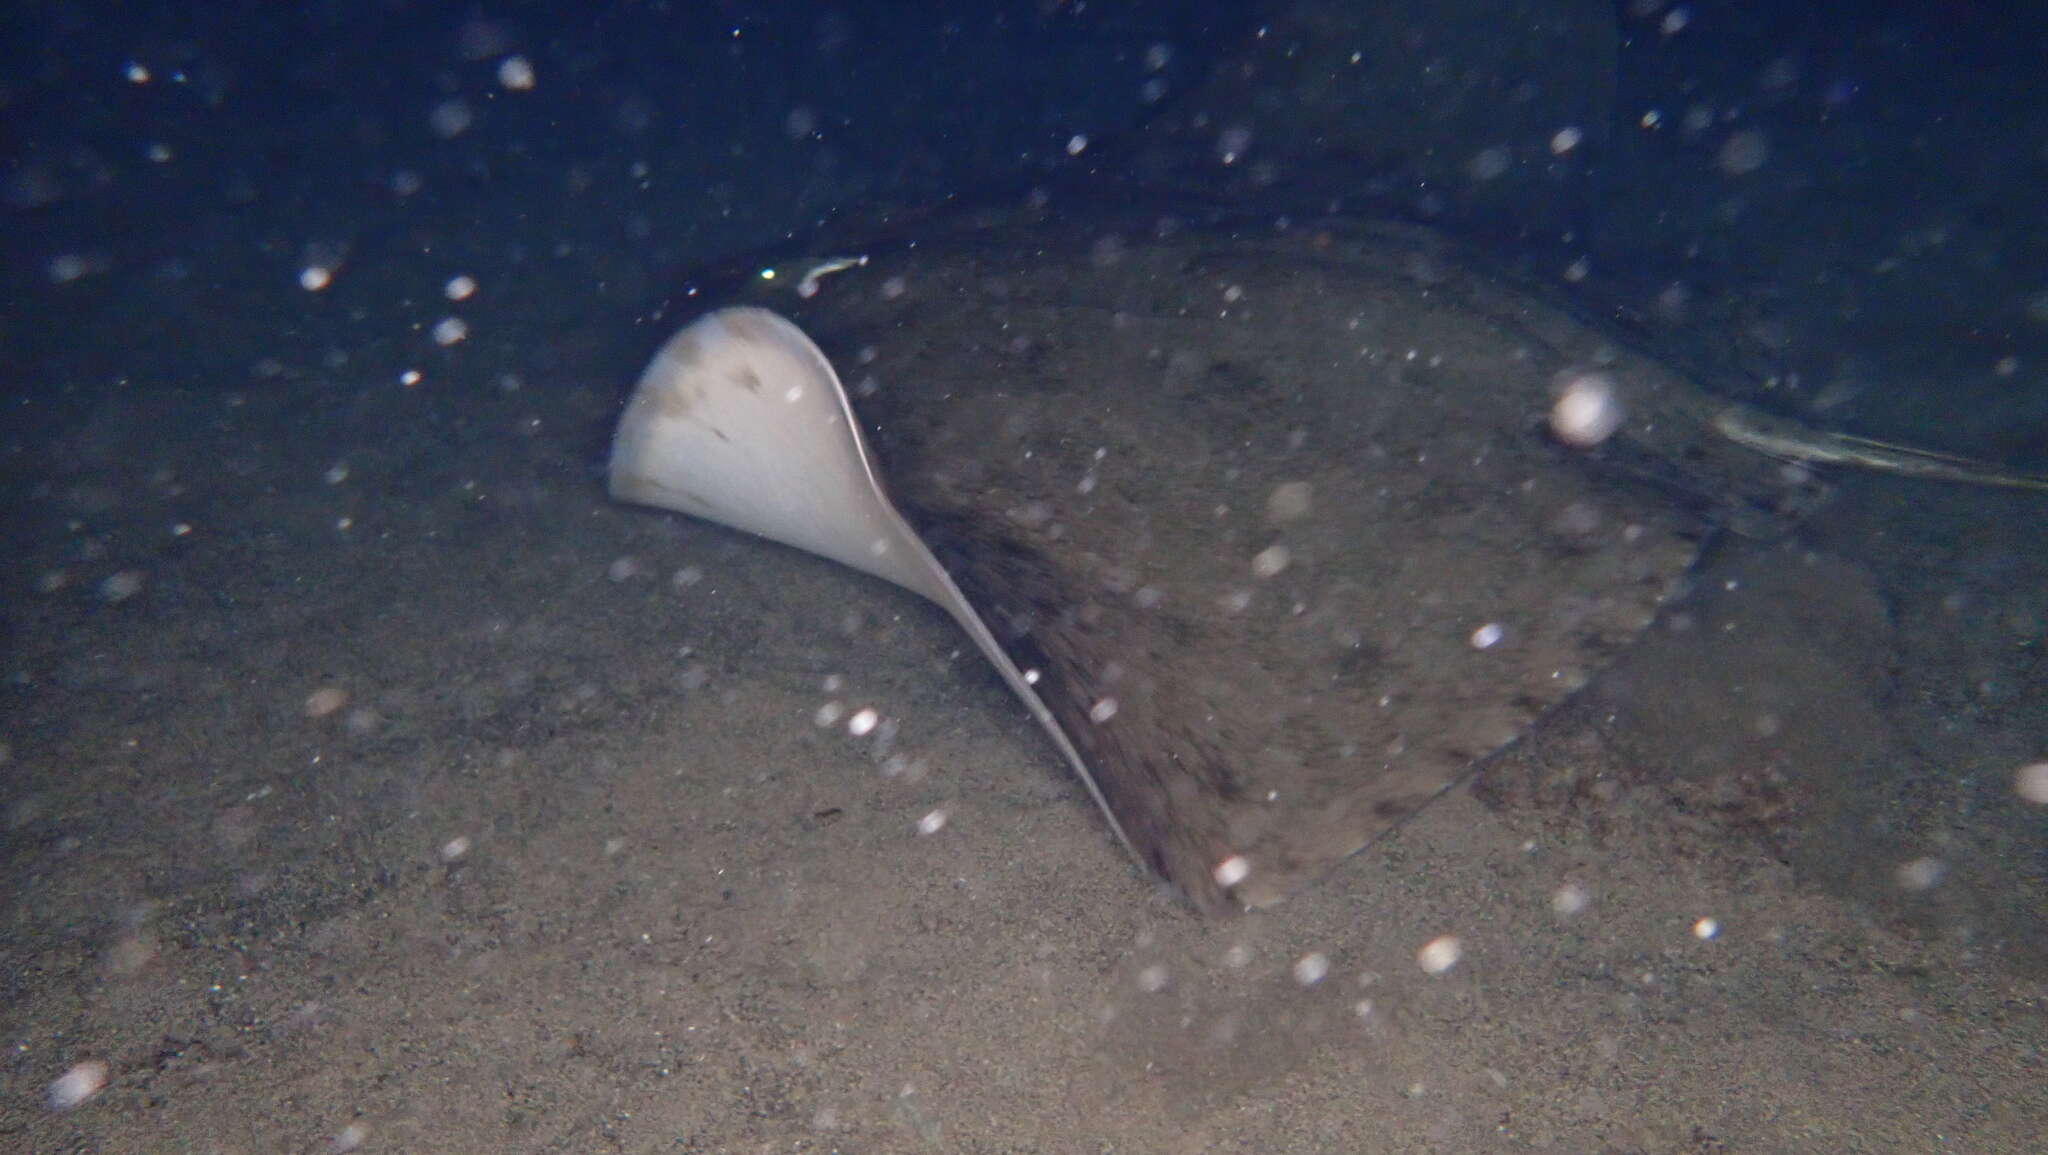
{"points": [[1159, 758]]}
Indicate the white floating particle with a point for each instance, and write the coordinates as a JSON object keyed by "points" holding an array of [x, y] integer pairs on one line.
{"points": [[455, 848], [1103, 710], [450, 119], [450, 331], [1232, 142], [1270, 561], [137, 72], [1152, 979], [1744, 153], [1440, 954], [459, 288], [1310, 968], [325, 701], [68, 267], [158, 152], [1588, 408], [336, 473], [1487, 636], [1290, 501], [516, 73], [349, 1138], [119, 587], [932, 823], [863, 722], [1706, 928], [1565, 139], [1490, 163], [834, 683], [2031, 783], [1569, 899], [828, 715], [1077, 144], [410, 378], [76, 1085], [314, 278], [1231, 871], [1920, 873], [1675, 21]]}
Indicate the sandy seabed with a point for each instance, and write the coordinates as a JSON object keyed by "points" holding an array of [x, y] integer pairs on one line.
{"points": [[371, 782]]}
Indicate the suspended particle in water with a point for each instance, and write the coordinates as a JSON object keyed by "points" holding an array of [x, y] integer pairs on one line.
{"points": [[1487, 636], [1490, 163], [863, 722], [933, 822], [121, 586], [1311, 968], [1270, 561], [516, 73], [76, 1085], [1706, 928], [1231, 871], [1744, 153], [1588, 408], [1439, 954], [1290, 501], [1232, 142], [1569, 900], [450, 119], [2030, 782], [1920, 873], [459, 288]]}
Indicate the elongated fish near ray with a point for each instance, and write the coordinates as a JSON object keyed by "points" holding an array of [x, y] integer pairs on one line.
{"points": [[1267, 534]]}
